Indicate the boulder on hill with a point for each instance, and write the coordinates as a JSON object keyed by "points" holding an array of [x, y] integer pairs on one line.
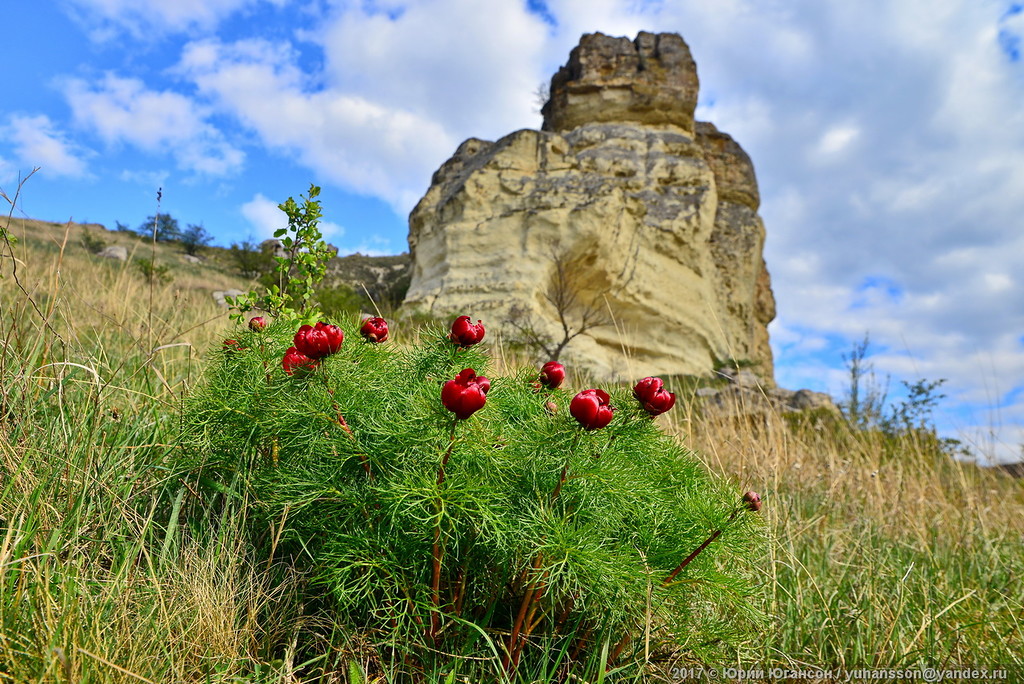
{"points": [[117, 252]]}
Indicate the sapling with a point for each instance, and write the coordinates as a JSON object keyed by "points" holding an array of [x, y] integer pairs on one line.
{"points": [[299, 271]]}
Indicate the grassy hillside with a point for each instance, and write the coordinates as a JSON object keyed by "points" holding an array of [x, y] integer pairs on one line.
{"points": [[883, 553]]}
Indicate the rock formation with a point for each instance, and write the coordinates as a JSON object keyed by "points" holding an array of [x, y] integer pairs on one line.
{"points": [[650, 218], [743, 396]]}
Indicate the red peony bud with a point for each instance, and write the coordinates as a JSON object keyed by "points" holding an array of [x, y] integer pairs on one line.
{"points": [[374, 330], [552, 374], [752, 500], [257, 323], [232, 346], [591, 408], [319, 341], [464, 333], [466, 394], [295, 361], [653, 397]]}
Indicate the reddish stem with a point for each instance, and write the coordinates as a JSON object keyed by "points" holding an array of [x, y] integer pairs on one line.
{"points": [[436, 552], [686, 561], [517, 626], [561, 481], [460, 591], [614, 656], [697, 551]]}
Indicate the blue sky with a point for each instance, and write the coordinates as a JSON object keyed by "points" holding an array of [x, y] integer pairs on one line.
{"points": [[888, 140]]}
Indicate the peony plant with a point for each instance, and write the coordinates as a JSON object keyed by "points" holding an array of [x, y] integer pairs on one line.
{"points": [[442, 513]]}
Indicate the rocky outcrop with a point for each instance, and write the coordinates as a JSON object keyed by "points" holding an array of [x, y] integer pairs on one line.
{"points": [[385, 279], [652, 218], [650, 81], [744, 395]]}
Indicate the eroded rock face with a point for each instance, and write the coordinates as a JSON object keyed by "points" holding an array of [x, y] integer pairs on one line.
{"points": [[654, 218], [651, 80]]}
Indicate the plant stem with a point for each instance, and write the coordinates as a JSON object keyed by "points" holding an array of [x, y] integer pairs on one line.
{"points": [[513, 638], [697, 551], [437, 552]]}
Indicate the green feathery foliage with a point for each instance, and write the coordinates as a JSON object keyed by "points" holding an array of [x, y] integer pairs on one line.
{"points": [[540, 540]]}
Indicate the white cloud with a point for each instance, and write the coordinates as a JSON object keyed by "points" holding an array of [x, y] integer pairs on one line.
{"points": [[346, 138], [8, 172], [265, 218], [147, 18], [468, 66], [837, 139], [37, 143], [123, 110]]}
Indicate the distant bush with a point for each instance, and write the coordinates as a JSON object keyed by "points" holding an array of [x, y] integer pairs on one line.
{"points": [[194, 238], [92, 243], [165, 225], [339, 300], [250, 260]]}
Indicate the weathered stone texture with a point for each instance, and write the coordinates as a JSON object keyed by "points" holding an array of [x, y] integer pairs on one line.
{"points": [[651, 80], [655, 217]]}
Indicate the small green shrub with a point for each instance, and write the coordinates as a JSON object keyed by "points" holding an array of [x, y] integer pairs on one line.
{"points": [[92, 243], [152, 271], [513, 540], [340, 300]]}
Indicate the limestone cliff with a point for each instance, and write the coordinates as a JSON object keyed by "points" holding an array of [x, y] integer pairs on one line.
{"points": [[653, 216]]}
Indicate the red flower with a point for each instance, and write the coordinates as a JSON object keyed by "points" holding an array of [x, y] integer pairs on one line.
{"points": [[466, 394], [295, 361], [319, 341], [464, 333], [552, 374], [752, 501], [591, 408], [257, 323], [652, 396], [232, 346], [374, 330]]}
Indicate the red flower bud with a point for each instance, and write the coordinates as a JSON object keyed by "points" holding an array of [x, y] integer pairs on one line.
{"points": [[232, 346], [466, 394], [319, 341], [257, 323], [552, 374], [591, 408], [374, 330], [464, 333], [652, 396], [752, 501], [295, 361]]}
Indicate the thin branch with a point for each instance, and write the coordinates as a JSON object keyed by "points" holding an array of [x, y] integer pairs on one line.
{"points": [[14, 261]]}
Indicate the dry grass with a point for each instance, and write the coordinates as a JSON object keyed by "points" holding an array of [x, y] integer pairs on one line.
{"points": [[885, 552]]}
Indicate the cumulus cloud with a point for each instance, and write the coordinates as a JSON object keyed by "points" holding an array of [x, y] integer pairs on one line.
{"points": [[441, 60], [266, 218], [36, 142], [124, 110], [345, 137]]}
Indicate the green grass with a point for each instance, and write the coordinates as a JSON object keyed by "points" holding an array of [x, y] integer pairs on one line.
{"points": [[883, 553]]}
